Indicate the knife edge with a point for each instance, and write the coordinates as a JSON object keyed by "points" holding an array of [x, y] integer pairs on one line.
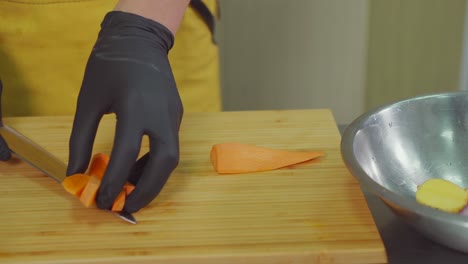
{"points": [[33, 154], [38, 157]]}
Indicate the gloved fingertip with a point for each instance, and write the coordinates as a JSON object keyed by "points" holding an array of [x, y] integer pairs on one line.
{"points": [[104, 202], [5, 155], [75, 167], [70, 170], [131, 208], [106, 196]]}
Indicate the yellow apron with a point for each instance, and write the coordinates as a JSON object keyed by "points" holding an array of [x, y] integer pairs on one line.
{"points": [[45, 44]]}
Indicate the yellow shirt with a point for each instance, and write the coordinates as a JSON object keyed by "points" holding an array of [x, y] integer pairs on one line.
{"points": [[45, 44]]}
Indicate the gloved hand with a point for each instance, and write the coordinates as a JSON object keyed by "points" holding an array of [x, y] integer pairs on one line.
{"points": [[5, 153], [128, 73]]}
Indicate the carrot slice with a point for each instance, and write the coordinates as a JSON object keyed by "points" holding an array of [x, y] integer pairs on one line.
{"points": [[86, 186], [128, 187], [98, 165], [88, 196], [75, 183], [228, 158], [119, 202]]}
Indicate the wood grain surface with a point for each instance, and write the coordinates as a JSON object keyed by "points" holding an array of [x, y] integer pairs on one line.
{"points": [[313, 212]]}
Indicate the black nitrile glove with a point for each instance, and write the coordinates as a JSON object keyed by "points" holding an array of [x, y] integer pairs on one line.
{"points": [[128, 73], [5, 153]]}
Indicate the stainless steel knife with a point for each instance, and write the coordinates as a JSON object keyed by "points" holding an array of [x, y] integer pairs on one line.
{"points": [[41, 159]]}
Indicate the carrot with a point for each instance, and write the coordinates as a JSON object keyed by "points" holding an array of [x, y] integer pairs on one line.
{"points": [[128, 187], [98, 165], [75, 184], [86, 186], [119, 202], [88, 196], [228, 158]]}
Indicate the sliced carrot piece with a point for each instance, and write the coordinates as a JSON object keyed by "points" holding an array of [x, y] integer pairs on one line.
{"points": [[128, 187], [75, 183], [88, 196], [98, 165], [86, 186], [119, 202], [228, 158]]}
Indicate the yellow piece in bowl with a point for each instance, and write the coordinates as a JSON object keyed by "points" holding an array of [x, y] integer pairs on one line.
{"points": [[442, 194]]}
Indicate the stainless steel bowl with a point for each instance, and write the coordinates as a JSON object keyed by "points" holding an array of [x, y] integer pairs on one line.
{"points": [[396, 147]]}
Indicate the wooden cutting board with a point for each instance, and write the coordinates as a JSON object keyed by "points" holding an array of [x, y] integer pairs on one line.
{"points": [[308, 213]]}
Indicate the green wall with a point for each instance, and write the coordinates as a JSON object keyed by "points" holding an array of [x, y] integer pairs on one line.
{"points": [[414, 48]]}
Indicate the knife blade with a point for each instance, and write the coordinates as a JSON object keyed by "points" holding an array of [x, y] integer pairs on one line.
{"points": [[33, 154]]}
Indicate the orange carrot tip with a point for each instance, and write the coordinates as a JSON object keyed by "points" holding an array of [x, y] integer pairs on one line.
{"points": [[119, 202], [229, 158], [128, 188]]}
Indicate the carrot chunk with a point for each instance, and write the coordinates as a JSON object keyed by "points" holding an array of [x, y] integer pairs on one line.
{"points": [[86, 186], [128, 187], [119, 202], [229, 158], [75, 184], [88, 196], [98, 165]]}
